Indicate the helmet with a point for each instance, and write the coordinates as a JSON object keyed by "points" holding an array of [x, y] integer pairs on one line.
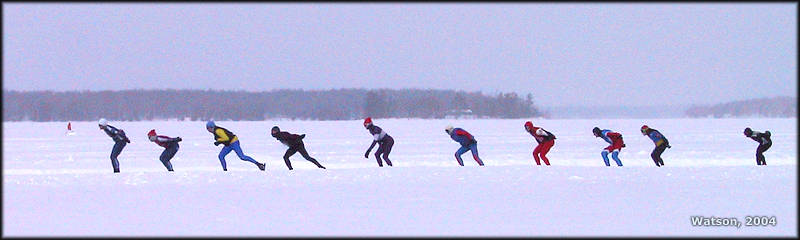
{"points": [[367, 121], [528, 125], [151, 134], [644, 128], [748, 131], [449, 128], [275, 130], [596, 131], [210, 124], [103, 122]]}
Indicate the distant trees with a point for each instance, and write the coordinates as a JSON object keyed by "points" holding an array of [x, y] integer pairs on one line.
{"points": [[761, 107], [376, 104], [339, 104]]}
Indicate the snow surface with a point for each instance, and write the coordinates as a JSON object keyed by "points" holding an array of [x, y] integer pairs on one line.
{"points": [[56, 184]]}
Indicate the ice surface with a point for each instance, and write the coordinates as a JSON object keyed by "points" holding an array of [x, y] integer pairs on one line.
{"points": [[56, 184]]}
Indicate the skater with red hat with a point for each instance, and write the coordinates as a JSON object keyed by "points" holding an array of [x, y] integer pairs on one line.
{"points": [[545, 139], [170, 145], [384, 141], [661, 144]]}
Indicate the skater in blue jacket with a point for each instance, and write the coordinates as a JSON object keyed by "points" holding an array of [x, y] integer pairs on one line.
{"points": [[120, 140], [467, 141], [613, 138]]}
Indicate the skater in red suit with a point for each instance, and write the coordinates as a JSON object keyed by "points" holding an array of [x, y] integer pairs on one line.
{"points": [[545, 140]]}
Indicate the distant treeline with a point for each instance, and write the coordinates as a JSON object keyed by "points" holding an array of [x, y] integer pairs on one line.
{"points": [[341, 104], [762, 107]]}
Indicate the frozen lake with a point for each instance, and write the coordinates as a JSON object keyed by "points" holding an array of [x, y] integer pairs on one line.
{"points": [[60, 185]]}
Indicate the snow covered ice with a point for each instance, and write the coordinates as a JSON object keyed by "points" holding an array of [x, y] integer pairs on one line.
{"points": [[56, 184]]}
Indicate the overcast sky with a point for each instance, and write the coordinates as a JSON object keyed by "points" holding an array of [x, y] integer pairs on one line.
{"points": [[564, 53]]}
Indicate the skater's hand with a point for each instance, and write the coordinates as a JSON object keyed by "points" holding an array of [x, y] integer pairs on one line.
{"points": [[179, 139], [366, 155], [302, 136], [128, 140], [216, 143], [668, 146]]}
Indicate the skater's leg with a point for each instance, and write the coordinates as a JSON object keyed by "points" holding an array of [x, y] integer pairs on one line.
{"points": [[386, 147], [615, 156], [655, 159], [378, 155], [760, 152], [224, 152], [605, 157], [241, 155], [545, 150], [656, 155], [536, 152], [289, 153], [167, 155], [118, 146], [458, 154], [474, 149], [166, 163], [302, 150]]}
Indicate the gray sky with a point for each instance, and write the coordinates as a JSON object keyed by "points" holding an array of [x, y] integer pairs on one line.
{"points": [[587, 54]]}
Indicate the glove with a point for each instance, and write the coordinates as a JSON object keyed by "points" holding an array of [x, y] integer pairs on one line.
{"points": [[128, 140], [179, 139], [216, 143], [623, 145], [302, 136], [668, 146], [366, 155], [473, 141]]}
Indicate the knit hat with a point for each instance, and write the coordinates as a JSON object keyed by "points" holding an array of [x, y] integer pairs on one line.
{"points": [[528, 125], [367, 121], [151, 135]]}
